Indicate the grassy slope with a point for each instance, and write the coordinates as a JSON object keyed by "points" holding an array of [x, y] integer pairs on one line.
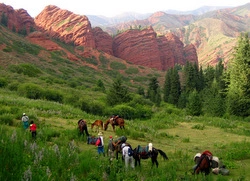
{"points": [[174, 133]]}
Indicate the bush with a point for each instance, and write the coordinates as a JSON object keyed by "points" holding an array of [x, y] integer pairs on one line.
{"points": [[53, 95], [25, 69], [3, 82], [124, 111], [7, 119], [31, 91]]}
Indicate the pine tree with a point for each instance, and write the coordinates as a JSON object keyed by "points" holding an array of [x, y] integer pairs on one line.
{"points": [[154, 93], [118, 93], [194, 105], [239, 79]]}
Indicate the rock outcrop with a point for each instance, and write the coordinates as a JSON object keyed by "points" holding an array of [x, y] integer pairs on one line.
{"points": [[143, 47], [66, 26], [16, 20]]}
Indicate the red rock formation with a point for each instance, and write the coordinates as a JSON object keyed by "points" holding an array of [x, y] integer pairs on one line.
{"points": [[18, 20], [103, 40], [138, 46], [66, 26], [44, 41], [143, 47]]}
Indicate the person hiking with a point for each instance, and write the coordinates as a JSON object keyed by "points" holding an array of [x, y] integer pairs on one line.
{"points": [[128, 159], [33, 129], [25, 120], [100, 144]]}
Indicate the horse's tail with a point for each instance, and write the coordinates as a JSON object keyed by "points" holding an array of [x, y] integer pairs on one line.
{"points": [[163, 154]]}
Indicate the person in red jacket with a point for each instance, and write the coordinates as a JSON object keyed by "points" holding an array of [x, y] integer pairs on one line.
{"points": [[33, 129]]}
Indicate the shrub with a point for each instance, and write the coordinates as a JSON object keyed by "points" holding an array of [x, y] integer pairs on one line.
{"points": [[118, 66], [3, 82], [31, 91], [53, 95], [25, 69], [7, 119]]}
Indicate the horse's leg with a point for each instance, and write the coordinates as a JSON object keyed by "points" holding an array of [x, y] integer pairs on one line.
{"points": [[86, 131]]}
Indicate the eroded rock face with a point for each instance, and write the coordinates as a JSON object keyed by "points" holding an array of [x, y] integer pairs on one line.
{"points": [[103, 40], [143, 47], [66, 26], [17, 20]]}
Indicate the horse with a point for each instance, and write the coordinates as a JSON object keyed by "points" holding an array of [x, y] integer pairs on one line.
{"points": [[82, 126], [118, 148], [98, 123], [204, 163], [144, 153], [115, 122]]}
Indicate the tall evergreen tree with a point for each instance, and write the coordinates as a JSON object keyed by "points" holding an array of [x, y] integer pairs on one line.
{"points": [[118, 93], [154, 93], [239, 72], [194, 105]]}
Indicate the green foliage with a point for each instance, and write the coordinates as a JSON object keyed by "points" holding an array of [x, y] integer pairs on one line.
{"points": [[194, 106], [4, 19], [25, 69], [131, 70], [239, 72], [172, 86], [24, 47], [117, 66], [118, 93], [154, 93], [31, 91], [3, 82]]}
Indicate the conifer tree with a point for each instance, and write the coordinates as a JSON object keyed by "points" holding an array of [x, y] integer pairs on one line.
{"points": [[194, 105], [239, 75], [154, 93], [118, 93]]}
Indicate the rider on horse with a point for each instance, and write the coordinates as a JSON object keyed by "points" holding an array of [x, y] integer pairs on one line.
{"points": [[113, 118]]}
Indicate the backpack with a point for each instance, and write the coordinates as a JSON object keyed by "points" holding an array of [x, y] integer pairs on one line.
{"points": [[98, 142], [130, 152]]}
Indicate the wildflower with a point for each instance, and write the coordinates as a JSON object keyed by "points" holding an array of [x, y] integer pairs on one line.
{"points": [[27, 175], [13, 136]]}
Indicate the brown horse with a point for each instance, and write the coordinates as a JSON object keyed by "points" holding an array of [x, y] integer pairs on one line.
{"points": [[115, 122], [144, 153], [82, 126], [204, 163], [98, 124]]}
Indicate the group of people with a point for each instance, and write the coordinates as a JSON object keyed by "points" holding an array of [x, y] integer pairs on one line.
{"points": [[111, 149], [31, 125]]}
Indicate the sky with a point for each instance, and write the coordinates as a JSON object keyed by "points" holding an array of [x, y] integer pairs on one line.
{"points": [[110, 8]]}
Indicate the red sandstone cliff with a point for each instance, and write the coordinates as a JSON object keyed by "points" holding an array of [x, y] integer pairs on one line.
{"points": [[18, 20], [143, 47], [66, 26]]}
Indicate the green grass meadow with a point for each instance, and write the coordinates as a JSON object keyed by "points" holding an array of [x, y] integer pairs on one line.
{"points": [[59, 153]]}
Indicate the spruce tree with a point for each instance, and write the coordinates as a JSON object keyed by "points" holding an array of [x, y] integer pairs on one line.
{"points": [[118, 93], [239, 78]]}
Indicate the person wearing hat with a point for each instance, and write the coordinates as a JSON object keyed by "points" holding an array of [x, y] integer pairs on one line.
{"points": [[100, 144], [25, 120], [111, 148], [128, 159]]}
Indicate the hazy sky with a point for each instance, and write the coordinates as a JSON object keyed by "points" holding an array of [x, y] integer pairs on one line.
{"points": [[111, 8]]}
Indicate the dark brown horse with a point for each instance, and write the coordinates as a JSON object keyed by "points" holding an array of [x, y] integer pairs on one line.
{"points": [[118, 148], [115, 122], [82, 126], [204, 163], [98, 124], [144, 153]]}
